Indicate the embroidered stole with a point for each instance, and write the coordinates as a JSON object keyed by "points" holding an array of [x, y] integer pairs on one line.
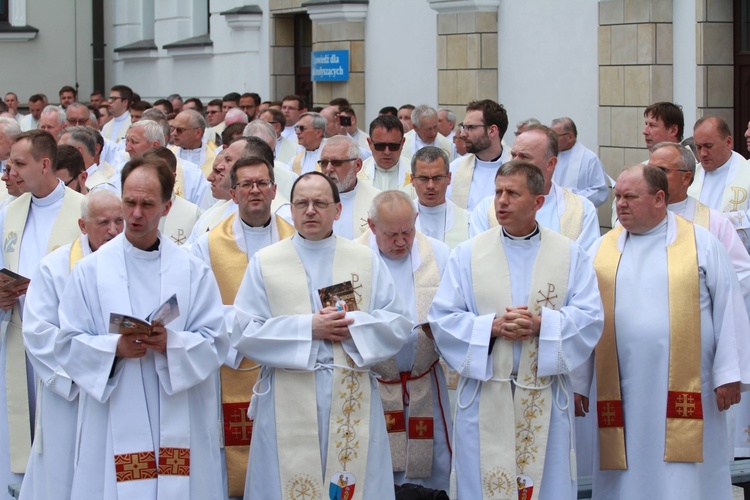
{"points": [[412, 452], [141, 470], [360, 208], [76, 252], [735, 197], [684, 413], [179, 180], [229, 263], [571, 219], [462, 181], [701, 215], [179, 222], [298, 442], [298, 163], [513, 428], [64, 231]]}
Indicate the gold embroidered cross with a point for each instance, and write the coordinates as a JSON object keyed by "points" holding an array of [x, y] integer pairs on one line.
{"points": [[685, 405], [421, 428], [609, 414], [546, 300], [389, 422], [241, 429], [302, 492], [180, 237]]}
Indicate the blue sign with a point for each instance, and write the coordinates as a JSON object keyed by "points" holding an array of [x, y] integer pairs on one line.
{"points": [[330, 66]]}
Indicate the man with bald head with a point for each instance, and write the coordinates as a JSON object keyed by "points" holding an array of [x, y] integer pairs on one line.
{"points": [[412, 383], [340, 161], [562, 211], [53, 120], [187, 136], [49, 473], [666, 374], [722, 181]]}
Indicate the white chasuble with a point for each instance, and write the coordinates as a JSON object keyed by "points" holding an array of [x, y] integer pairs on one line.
{"points": [[519, 416]]}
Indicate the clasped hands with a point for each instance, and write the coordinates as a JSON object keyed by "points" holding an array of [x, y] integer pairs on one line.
{"points": [[9, 296], [136, 345], [331, 324], [518, 323]]}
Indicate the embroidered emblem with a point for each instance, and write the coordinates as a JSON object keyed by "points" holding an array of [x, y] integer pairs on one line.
{"points": [[10, 242], [341, 486], [546, 300], [356, 287], [525, 487], [302, 487], [174, 461], [739, 197], [180, 237], [498, 484], [363, 226]]}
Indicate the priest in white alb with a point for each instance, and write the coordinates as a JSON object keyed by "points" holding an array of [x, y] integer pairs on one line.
{"points": [[148, 420], [41, 219], [412, 383], [226, 250], [318, 420], [386, 169], [672, 358], [49, 473], [516, 311]]}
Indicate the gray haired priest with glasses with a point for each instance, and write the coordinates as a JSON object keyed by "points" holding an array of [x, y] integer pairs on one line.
{"points": [[319, 430]]}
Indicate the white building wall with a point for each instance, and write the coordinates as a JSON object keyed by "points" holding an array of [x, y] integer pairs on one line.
{"points": [[60, 54], [400, 55], [238, 61], [685, 61], [548, 63]]}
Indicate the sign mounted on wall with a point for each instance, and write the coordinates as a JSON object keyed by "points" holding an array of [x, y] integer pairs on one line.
{"points": [[330, 66]]}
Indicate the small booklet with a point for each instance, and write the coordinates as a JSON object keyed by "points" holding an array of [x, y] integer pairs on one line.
{"points": [[9, 279], [341, 296], [128, 325]]}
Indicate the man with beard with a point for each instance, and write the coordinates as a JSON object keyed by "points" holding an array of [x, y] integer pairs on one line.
{"points": [[340, 161]]}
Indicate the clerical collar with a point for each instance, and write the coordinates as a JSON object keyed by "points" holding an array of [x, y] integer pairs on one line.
{"points": [[719, 169], [678, 207], [54, 196], [122, 117], [153, 247], [328, 241], [433, 210], [256, 227], [521, 238], [387, 171], [494, 160]]}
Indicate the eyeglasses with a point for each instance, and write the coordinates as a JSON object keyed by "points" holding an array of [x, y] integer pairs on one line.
{"points": [[318, 204], [470, 127], [334, 163], [392, 146], [113, 98], [71, 180], [212, 111], [180, 130], [667, 170], [289, 108], [82, 121], [426, 180], [301, 128], [247, 185]]}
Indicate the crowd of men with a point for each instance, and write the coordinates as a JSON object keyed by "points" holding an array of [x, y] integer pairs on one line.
{"points": [[263, 300]]}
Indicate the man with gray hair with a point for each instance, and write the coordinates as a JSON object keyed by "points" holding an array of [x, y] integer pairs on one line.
{"points": [[412, 383], [49, 473], [578, 168], [340, 161], [84, 140], [53, 120], [187, 132], [425, 133], [282, 172], [310, 130], [9, 128], [439, 217], [447, 123], [524, 124], [190, 182]]}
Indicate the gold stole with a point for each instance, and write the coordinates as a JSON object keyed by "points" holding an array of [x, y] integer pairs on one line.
{"points": [[298, 442], [208, 165], [684, 413], [76, 252], [229, 263], [64, 230], [415, 455], [521, 418], [701, 215], [571, 220], [462, 181], [297, 163], [179, 180]]}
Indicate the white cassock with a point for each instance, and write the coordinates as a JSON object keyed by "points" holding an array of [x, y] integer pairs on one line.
{"points": [[286, 149], [581, 171], [355, 205], [548, 216], [123, 279], [49, 473], [115, 129], [445, 222], [196, 185], [286, 342], [643, 354], [396, 177], [566, 340], [402, 271], [414, 143], [306, 160], [482, 179]]}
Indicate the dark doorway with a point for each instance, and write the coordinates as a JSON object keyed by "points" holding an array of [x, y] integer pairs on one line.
{"points": [[741, 74], [302, 57]]}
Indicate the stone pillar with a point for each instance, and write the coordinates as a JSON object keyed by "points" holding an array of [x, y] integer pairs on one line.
{"points": [[635, 70], [340, 25], [715, 59], [467, 58]]}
